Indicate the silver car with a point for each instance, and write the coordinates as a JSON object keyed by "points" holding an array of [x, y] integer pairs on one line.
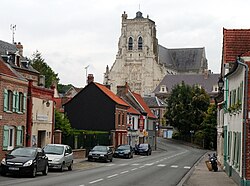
{"points": [[60, 156]]}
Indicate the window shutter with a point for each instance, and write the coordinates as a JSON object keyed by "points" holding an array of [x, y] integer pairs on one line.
{"points": [[5, 137], [19, 136], [5, 105], [14, 102], [24, 102], [17, 102]]}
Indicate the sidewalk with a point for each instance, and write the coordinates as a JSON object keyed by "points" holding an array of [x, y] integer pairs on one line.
{"points": [[201, 176]]}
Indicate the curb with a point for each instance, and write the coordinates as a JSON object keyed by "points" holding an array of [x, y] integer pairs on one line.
{"points": [[189, 173]]}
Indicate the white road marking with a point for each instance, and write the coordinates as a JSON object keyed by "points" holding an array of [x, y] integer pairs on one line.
{"points": [[112, 175], [135, 164], [174, 166], [161, 165], [95, 181], [81, 185], [142, 166], [134, 169], [124, 164], [187, 167], [124, 172], [149, 164], [109, 165]]}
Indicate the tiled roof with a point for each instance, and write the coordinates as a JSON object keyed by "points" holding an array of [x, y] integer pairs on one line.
{"points": [[111, 95], [7, 47], [235, 43], [143, 104]]}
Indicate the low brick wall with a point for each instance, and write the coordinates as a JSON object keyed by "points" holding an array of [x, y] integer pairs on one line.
{"points": [[79, 153]]}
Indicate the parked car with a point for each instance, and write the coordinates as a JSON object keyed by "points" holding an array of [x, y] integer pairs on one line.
{"points": [[143, 148], [101, 153], [25, 161], [125, 151], [60, 156]]}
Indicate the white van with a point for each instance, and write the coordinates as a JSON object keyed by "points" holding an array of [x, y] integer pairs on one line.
{"points": [[60, 156]]}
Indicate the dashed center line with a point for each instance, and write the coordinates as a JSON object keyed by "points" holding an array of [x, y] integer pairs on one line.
{"points": [[112, 175], [135, 164], [95, 181], [124, 172], [134, 169], [187, 167], [174, 166], [161, 165], [149, 164]]}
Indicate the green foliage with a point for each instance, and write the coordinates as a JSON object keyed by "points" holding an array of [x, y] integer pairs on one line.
{"points": [[186, 107], [41, 66], [62, 123], [63, 88]]}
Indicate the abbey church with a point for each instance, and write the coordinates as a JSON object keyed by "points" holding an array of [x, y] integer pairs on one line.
{"points": [[143, 63]]}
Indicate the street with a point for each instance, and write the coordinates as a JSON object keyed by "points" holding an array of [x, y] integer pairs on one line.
{"points": [[166, 166]]}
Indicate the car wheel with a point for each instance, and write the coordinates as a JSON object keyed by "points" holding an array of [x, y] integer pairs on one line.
{"points": [[45, 171], [70, 166], [33, 174], [61, 169], [111, 159], [148, 153]]}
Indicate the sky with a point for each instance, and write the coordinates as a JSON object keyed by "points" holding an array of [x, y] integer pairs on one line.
{"points": [[74, 34]]}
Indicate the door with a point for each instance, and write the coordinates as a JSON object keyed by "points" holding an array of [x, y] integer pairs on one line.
{"points": [[41, 138]]}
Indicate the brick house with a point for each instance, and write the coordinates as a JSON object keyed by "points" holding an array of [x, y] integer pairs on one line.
{"points": [[40, 104], [13, 110], [233, 134]]}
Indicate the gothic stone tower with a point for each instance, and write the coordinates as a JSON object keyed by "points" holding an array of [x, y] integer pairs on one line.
{"points": [[137, 57]]}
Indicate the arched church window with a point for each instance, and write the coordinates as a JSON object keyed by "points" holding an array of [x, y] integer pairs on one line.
{"points": [[130, 43], [140, 43]]}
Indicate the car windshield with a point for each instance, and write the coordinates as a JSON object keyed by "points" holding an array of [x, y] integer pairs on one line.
{"points": [[123, 147], [100, 148], [52, 149], [143, 146], [26, 152]]}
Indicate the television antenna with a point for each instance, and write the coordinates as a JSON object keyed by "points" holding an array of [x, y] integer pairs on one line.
{"points": [[13, 29]]}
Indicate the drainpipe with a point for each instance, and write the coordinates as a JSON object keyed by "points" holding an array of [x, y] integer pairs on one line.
{"points": [[244, 116]]}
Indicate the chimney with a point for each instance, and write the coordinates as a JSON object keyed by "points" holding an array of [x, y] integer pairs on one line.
{"points": [[121, 90], [20, 48], [90, 78], [41, 81]]}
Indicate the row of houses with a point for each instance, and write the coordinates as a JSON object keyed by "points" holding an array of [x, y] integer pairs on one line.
{"points": [[26, 106], [233, 128]]}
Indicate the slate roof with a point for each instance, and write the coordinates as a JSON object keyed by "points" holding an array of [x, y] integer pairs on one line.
{"points": [[7, 70], [183, 59], [4, 47], [191, 79], [109, 93], [153, 101], [143, 104], [235, 43]]}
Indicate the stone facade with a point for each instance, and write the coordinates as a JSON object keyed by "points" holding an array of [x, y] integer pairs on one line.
{"points": [[143, 63]]}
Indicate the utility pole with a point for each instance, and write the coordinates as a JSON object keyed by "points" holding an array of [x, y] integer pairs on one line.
{"points": [[13, 29], [86, 68]]}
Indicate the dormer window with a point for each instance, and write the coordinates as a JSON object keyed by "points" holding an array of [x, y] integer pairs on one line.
{"points": [[215, 88], [130, 43], [140, 43], [163, 89]]}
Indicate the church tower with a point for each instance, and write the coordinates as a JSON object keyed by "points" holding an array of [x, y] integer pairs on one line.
{"points": [[137, 57]]}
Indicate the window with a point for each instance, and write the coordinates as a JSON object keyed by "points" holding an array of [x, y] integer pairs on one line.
{"points": [[8, 137], [163, 88], [140, 43], [119, 118], [14, 101], [8, 100], [19, 136], [130, 43]]}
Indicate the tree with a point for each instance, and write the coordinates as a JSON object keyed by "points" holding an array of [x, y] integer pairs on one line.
{"points": [[186, 107], [208, 131], [41, 66], [62, 123]]}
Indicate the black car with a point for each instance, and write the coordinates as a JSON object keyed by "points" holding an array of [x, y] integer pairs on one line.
{"points": [[101, 153], [143, 148], [124, 151], [25, 161]]}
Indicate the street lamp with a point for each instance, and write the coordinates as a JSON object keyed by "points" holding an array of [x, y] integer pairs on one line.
{"points": [[220, 84]]}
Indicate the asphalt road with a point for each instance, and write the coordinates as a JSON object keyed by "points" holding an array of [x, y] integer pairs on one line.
{"points": [[165, 167]]}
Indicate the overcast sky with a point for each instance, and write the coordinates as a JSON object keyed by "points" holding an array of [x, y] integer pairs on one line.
{"points": [[72, 34]]}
